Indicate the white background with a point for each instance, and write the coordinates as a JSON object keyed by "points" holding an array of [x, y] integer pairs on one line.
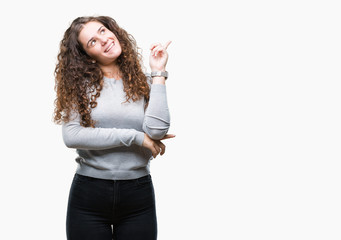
{"points": [[254, 95]]}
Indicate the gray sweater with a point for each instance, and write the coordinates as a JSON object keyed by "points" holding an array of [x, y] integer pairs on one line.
{"points": [[113, 149]]}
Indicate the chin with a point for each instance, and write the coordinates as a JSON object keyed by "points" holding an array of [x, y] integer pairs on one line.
{"points": [[108, 59], [114, 54]]}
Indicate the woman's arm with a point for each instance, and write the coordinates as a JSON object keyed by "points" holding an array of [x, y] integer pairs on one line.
{"points": [[77, 136], [157, 118]]}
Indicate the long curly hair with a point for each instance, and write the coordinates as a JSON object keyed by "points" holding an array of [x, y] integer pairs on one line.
{"points": [[79, 81]]}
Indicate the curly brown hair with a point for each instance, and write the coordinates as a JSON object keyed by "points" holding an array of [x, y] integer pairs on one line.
{"points": [[78, 81]]}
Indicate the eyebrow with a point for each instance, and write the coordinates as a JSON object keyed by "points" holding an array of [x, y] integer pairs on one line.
{"points": [[93, 37]]}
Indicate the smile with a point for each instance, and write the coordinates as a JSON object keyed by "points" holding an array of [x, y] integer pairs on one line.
{"points": [[109, 47]]}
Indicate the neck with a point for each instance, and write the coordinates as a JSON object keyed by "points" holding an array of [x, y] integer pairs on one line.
{"points": [[111, 71]]}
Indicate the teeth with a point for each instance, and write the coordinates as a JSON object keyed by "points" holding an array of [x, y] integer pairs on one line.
{"points": [[111, 45]]}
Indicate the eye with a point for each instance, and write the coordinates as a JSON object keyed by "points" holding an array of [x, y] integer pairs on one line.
{"points": [[102, 31], [93, 42]]}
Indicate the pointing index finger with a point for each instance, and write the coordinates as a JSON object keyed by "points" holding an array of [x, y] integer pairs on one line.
{"points": [[167, 44]]}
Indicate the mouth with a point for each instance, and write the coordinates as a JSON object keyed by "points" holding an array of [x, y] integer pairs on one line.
{"points": [[109, 47]]}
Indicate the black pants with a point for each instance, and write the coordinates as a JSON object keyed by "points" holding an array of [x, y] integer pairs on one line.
{"points": [[111, 209]]}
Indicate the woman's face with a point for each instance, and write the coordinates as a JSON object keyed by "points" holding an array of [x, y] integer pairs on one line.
{"points": [[99, 43]]}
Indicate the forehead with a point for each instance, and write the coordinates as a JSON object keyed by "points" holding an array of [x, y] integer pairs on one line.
{"points": [[88, 31]]}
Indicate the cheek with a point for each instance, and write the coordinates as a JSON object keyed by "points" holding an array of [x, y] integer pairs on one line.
{"points": [[120, 47], [94, 52]]}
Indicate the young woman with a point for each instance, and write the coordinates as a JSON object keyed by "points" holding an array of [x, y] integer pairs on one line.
{"points": [[115, 116]]}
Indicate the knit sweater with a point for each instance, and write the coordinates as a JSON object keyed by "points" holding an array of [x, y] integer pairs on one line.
{"points": [[113, 149]]}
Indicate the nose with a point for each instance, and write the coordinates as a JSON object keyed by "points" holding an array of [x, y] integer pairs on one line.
{"points": [[103, 40]]}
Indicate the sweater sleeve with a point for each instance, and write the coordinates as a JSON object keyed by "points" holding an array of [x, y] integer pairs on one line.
{"points": [[157, 118], [77, 136]]}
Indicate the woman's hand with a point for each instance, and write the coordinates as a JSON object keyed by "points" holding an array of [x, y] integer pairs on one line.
{"points": [[158, 56], [156, 146]]}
